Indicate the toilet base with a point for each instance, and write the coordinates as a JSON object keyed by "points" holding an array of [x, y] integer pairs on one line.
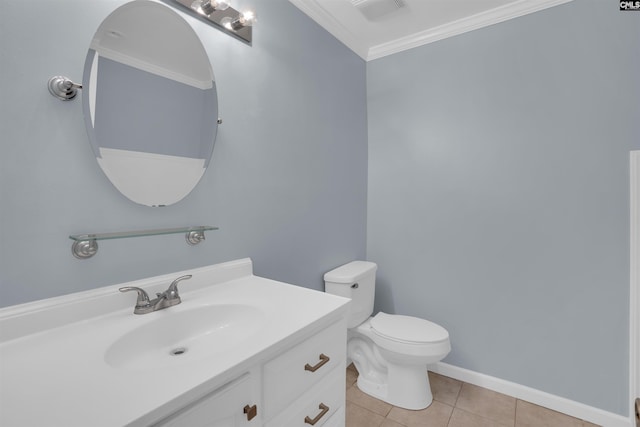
{"points": [[398, 378], [407, 387]]}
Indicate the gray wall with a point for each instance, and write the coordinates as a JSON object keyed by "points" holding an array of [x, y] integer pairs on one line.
{"points": [[498, 195], [286, 186]]}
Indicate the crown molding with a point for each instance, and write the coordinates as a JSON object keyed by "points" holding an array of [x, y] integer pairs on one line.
{"points": [[315, 11], [454, 28]]}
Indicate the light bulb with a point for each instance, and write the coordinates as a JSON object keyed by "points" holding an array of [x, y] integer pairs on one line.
{"points": [[221, 4], [248, 18], [245, 19], [207, 7], [226, 22]]}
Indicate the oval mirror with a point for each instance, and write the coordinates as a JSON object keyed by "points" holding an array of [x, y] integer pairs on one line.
{"points": [[150, 103]]}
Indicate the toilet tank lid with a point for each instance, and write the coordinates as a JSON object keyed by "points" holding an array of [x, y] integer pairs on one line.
{"points": [[351, 272]]}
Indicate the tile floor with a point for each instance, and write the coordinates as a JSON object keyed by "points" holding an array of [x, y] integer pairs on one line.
{"points": [[455, 404]]}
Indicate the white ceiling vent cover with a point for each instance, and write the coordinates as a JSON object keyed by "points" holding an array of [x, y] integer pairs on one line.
{"points": [[374, 10]]}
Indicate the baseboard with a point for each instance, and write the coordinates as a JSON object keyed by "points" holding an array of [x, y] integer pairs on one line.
{"points": [[547, 400]]}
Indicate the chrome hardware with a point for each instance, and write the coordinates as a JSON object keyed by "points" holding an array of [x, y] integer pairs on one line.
{"points": [[84, 248], [323, 410], [323, 360], [194, 237], [142, 303], [172, 291], [219, 121], [63, 88], [251, 411], [355, 286], [168, 298]]}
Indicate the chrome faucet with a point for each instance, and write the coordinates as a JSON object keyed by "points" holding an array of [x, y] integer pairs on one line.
{"points": [[168, 298]]}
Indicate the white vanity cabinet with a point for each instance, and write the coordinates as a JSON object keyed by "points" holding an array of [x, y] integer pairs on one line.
{"points": [[232, 405], [302, 386], [254, 353]]}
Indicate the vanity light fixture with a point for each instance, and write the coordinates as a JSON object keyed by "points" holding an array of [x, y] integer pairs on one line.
{"points": [[221, 15]]}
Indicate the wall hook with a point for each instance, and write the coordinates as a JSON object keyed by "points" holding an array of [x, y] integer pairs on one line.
{"points": [[63, 88]]}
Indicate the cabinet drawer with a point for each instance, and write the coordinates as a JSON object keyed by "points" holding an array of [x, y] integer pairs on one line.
{"points": [[294, 372], [224, 407], [323, 405]]}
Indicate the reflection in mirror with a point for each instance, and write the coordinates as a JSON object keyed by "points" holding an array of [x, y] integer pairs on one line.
{"points": [[150, 103]]}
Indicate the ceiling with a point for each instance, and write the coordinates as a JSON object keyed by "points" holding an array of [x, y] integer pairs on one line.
{"points": [[377, 28]]}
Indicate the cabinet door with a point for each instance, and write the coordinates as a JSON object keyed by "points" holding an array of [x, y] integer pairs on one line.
{"points": [[224, 407]]}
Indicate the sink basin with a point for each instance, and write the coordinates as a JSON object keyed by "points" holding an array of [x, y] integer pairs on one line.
{"points": [[178, 337]]}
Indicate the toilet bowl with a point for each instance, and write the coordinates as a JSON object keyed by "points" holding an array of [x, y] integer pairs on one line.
{"points": [[391, 352]]}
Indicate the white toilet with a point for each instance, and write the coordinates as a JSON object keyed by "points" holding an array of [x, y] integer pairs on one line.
{"points": [[390, 352]]}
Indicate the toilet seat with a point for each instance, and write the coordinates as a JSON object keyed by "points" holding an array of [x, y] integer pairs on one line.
{"points": [[407, 329]]}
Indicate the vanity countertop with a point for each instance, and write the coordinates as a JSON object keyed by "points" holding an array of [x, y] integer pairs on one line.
{"points": [[55, 368]]}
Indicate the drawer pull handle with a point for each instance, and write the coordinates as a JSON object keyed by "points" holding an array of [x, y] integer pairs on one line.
{"points": [[251, 411], [323, 360], [323, 410]]}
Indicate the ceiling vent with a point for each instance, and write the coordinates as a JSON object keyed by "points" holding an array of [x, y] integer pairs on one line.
{"points": [[375, 10]]}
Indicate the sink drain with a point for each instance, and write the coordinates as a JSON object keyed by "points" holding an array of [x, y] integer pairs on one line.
{"points": [[178, 351]]}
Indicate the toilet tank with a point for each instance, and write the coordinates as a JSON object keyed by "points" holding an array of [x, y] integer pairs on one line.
{"points": [[357, 281]]}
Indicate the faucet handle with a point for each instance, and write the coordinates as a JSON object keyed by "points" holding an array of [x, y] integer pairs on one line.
{"points": [[172, 291], [143, 297]]}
